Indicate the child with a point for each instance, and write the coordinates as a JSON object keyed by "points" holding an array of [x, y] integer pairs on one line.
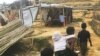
{"points": [[84, 37], [60, 43], [71, 41]]}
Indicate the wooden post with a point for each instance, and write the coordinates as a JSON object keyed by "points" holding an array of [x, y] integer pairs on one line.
{"points": [[64, 18], [94, 16]]}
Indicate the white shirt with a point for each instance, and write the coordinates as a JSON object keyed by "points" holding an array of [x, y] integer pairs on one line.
{"points": [[61, 43], [62, 18]]}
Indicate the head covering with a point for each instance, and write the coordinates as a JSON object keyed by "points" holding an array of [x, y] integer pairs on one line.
{"points": [[56, 36]]}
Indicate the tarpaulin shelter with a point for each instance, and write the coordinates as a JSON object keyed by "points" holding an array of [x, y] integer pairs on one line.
{"points": [[51, 12]]}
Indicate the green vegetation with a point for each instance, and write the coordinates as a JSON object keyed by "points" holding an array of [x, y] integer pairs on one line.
{"points": [[78, 20], [97, 4], [98, 17], [40, 43], [94, 26]]}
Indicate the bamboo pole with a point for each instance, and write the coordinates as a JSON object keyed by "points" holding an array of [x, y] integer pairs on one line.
{"points": [[10, 26], [17, 38], [11, 35]]}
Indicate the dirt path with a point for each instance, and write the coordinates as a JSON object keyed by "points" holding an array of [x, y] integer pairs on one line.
{"points": [[95, 49]]}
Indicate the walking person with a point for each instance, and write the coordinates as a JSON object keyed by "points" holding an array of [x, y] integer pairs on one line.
{"points": [[71, 41], [84, 37], [60, 43]]}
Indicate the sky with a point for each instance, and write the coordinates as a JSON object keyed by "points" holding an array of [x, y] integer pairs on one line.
{"points": [[7, 1]]}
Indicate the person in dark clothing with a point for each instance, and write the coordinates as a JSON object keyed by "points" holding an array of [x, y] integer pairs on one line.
{"points": [[71, 41], [83, 37], [70, 52], [47, 52]]}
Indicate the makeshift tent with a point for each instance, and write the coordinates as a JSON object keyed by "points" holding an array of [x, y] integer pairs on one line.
{"points": [[51, 13]]}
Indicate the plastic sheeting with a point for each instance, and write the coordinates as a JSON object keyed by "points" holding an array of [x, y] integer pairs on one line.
{"points": [[34, 12], [27, 19], [29, 15]]}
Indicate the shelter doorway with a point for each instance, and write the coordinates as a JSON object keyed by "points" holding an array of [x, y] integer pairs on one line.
{"points": [[53, 16]]}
